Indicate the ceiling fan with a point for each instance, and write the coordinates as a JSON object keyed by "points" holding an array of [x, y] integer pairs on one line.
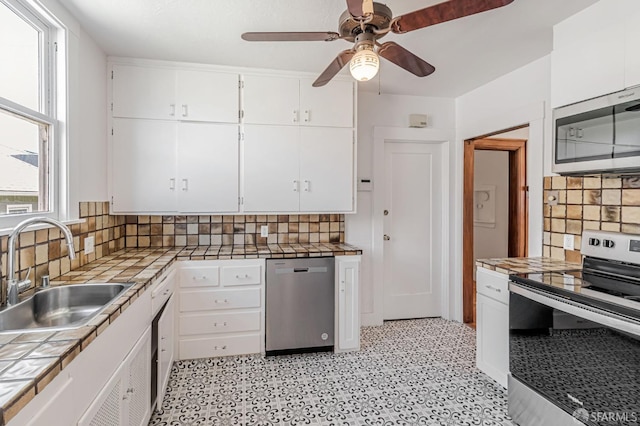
{"points": [[365, 21]]}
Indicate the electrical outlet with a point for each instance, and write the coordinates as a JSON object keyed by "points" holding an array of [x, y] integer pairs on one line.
{"points": [[264, 230], [89, 245], [569, 241]]}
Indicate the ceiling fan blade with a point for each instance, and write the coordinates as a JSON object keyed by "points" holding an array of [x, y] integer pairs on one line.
{"points": [[291, 36], [334, 68], [355, 8], [400, 56], [443, 12]]}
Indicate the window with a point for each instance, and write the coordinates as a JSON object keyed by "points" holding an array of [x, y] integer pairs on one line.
{"points": [[27, 111]]}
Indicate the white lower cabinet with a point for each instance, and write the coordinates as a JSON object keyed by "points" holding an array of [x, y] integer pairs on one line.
{"points": [[221, 308], [166, 348], [347, 318], [492, 324], [125, 399]]}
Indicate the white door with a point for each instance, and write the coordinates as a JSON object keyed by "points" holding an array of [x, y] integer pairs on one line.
{"points": [[413, 230], [143, 166], [207, 96], [143, 92], [271, 169], [326, 169], [330, 105], [208, 160], [271, 100]]}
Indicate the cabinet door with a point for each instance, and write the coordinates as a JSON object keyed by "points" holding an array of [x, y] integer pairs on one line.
{"points": [[143, 92], [330, 105], [271, 182], [207, 167], [271, 100], [492, 322], [207, 96], [138, 410], [632, 58], [143, 166], [166, 325], [588, 68], [108, 408], [347, 303], [326, 169]]}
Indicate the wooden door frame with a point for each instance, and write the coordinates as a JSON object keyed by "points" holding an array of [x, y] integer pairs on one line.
{"points": [[518, 209]]}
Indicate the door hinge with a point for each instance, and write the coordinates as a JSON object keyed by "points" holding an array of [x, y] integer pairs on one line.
{"points": [[112, 200], [112, 131], [241, 113], [55, 46], [242, 136], [112, 106], [111, 74]]}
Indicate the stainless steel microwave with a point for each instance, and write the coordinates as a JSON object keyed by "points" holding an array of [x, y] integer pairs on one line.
{"points": [[601, 135]]}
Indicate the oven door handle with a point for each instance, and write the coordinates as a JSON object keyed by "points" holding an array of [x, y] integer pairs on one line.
{"points": [[589, 313]]}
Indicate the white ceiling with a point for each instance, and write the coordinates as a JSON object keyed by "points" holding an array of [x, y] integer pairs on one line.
{"points": [[467, 52]]}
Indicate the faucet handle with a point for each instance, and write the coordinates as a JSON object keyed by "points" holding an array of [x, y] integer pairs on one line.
{"points": [[26, 283]]}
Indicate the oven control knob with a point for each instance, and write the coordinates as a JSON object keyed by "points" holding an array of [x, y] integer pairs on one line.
{"points": [[608, 243], [594, 242]]}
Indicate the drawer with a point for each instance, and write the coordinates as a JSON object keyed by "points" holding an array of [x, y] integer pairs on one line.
{"points": [[206, 300], [207, 276], [225, 322], [493, 284], [241, 275], [219, 346], [162, 291]]}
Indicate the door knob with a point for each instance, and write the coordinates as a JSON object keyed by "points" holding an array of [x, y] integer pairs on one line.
{"points": [[386, 237]]}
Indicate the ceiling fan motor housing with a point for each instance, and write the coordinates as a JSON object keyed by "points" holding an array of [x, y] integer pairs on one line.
{"points": [[349, 28]]}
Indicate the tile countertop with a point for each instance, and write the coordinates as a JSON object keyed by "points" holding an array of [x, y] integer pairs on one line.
{"points": [[29, 361], [516, 265]]}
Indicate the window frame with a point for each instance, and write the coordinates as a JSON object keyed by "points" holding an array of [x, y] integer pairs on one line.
{"points": [[51, 96]]}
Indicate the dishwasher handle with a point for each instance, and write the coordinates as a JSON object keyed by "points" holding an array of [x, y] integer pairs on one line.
{"points": [[309, 270]]}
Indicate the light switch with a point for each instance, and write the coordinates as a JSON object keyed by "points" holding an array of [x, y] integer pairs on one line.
{"points": [[264, 231], [89, 245]]}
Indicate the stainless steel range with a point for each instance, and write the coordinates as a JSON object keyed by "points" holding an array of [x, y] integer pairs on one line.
{"points": [[574, 338]]}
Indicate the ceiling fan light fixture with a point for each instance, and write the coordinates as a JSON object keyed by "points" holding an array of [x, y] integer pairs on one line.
{"points": [[365, 64]]}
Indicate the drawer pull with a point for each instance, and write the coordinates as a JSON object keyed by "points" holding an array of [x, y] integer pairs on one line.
{"points": [[239, 277], [223, 348], [165, 292], [204, 277], [222, 301], [163, 350], [490, 287], [224, 324]]}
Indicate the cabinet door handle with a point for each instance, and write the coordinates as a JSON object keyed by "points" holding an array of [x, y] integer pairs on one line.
{"points": [[490, 287], [222, 301], [307, 116], [386, 237], [295, 186], [306, 185], [185, 110], [172, 110], [295, 115], [185, 184], [172, 184]]}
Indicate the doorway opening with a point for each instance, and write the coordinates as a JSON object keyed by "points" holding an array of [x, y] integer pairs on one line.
{"points": [[495, 215]]}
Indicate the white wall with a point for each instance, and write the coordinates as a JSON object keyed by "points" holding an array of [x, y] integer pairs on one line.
{"points": [[384, 111], [492, 168], [86, 114], [514, 99]]}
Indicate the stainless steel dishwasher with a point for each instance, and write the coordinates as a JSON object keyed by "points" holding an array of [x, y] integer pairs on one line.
{"points": [[300, 305]]}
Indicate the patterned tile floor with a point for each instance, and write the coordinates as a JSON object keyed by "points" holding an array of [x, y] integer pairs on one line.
{"points": [[414, 372]]}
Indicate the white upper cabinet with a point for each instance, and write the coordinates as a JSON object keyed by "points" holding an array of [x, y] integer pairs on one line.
{"points": [[271, 169], [292, 101], [174, 94], [270, 100], [326, 169], [330, 105], [207, 167], [596, 52], [632, 59], [143, 175], [207, 96], [143, 92], [291, 169], [589, 67]]}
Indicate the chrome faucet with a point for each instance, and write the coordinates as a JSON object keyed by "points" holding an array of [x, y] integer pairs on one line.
{"points": [[15, 286]]}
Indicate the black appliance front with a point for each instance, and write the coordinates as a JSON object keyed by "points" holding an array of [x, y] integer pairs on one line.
{"points": [[589, 370]]}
